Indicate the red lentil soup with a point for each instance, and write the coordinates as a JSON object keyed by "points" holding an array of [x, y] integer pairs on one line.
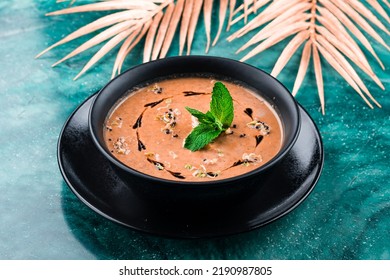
{"points": [[146, 130]]}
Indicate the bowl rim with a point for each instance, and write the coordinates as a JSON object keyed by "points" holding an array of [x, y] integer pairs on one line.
{"points": [[215, 182]]}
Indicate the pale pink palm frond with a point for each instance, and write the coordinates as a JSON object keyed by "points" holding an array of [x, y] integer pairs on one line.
{"points": [[71, 2], [328, 30], [305, 59], [193, 22], [132, 20], [185, 23], [222, 14], [375, 4], [149, 41], [162, 31], [127, 46], [207, 9], [318, 74], [172, 27]]}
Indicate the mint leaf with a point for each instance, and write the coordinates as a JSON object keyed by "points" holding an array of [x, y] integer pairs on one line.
{"points": [[200, 136], [202, 118], [213, 122], [221, 105]]}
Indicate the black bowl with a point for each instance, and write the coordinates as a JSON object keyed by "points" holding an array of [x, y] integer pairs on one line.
{"points": [[217, 190]]}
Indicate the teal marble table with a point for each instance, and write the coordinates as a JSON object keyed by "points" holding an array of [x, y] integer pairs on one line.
{"points": [[347, 216]]}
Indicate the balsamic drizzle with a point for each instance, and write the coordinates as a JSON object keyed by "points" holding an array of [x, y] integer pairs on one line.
{"points": [[138, 122], [141, 145], [192, 93], [249, 112], [212, 174], [155, 103], [156, 163], [160, 166], [176, 174], [237, 163], [258, 139]]}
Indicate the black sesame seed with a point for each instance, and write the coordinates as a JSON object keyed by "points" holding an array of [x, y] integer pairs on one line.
{"points": [[234, 126]]}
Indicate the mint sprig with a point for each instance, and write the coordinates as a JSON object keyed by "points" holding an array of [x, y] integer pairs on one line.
{"points": [[213, 122]]}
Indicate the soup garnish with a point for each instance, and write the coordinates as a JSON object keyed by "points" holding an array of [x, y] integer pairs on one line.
{"points": [[215, 121]]}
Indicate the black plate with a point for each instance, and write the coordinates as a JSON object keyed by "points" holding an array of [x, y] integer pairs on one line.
{"points": [[91, 177]]}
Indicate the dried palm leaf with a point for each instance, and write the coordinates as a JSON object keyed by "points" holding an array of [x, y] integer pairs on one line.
{"points": [[358, 6], [305, 59], [107, 6], [248, 9], [379, 8], [318, 74], [222, 15], [96, 25], [289, 50], [324, 27], [207, 9], [132, 20], [162, 31], [101, 37], [185, 24], [192, 26], [71, 1], [232, 4], [151, 34], [127, 46], [336, 24], [172, 27], [106, 48], [327, 28]]}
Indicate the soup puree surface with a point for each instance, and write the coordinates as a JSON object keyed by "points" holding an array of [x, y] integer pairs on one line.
{"points": [[146, 131]]}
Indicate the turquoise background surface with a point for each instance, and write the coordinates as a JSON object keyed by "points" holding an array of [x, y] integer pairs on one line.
{"points": [[347, 216]]}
